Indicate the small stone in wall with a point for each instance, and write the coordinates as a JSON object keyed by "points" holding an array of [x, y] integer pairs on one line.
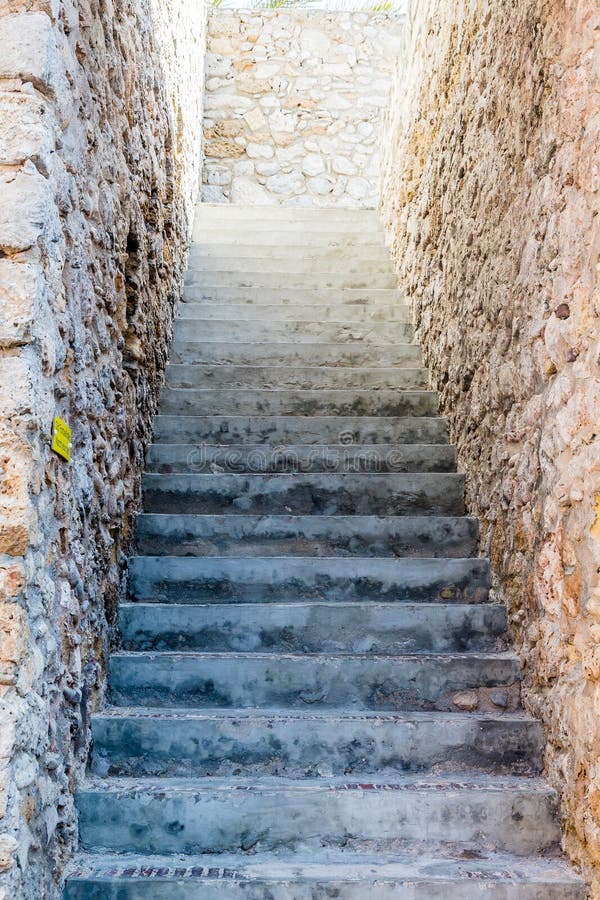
{"points": [[222, 149], [342, 166], [218, 175], [358, 188], [322, 185], [255, 119], [286, 184], [313, 164], [246, 192], [260, 151], [267, 168]]}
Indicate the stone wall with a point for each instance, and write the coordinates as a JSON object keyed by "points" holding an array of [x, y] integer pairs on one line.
{"points": [[294, 100], [100, 119], [491, 195]]}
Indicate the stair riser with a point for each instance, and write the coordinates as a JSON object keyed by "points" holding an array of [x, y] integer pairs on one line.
{"points": [[222, 889], [208, 401], [317, 239], [340, 312], [307, 536], [343, 431], [312, 628], [282, 377], [323, 272], [255, 580], [294, 332], [288, 231], [205, 820], [338, 264], [387, 495], [299, 298], [247, 746], [301, 682], [248, 459], [293, 353], [293, 281], [287, 250]]}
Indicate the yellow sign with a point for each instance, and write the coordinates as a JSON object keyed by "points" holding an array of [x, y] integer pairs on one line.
{"points": [[61, 438]]}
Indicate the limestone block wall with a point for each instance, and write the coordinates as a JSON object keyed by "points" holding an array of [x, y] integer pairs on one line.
{"points": [[100, 120], [294, 101], [491, 195]]}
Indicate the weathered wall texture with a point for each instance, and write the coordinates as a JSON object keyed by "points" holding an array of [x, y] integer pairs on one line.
{"points": [[100, 112], [294, 100], [491, 195]]}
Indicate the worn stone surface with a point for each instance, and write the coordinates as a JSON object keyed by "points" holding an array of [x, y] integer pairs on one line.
{"points": [[491, 196], [293, 105], [100, 111]]}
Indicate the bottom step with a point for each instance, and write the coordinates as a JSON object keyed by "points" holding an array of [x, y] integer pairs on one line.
{"points": [[345, 876]]}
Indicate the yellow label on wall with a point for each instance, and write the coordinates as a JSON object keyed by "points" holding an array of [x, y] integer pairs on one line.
{"points": [[61, 438]]}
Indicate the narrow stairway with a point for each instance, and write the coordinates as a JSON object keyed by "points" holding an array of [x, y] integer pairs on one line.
{"points": [[314, 696]]}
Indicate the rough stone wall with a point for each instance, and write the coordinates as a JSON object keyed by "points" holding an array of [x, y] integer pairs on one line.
{"points": [[100, 120], [491, 195], [294, 100]]}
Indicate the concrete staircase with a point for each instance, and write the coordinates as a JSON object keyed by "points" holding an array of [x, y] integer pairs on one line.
{"points": [[314, 696]]}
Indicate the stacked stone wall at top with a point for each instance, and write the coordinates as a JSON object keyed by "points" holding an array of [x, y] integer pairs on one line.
{"points": [[100, 120], [294, 102], [491, 195]]}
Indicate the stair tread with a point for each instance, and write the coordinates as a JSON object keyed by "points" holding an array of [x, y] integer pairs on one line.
{"points": [[240, 392], [341, 865], [317, 476], [506, 655], [420, 783], [356, 519], [371, 606], [265, 713]]}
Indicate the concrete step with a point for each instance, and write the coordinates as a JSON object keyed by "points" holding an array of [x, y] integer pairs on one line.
{"points": [[294, 353], [346, 536], [286, 250], [515, 815], [251, 220], [260, 332], [381, 494], [333, 266], [212, 579], [313, 627], [305, 743], [272, 312], [293, 281], [257, 458], [282, 236], [286, 234], [300, 298], [290, 402], [344, 432], [298, 377], [346, 875], [283, 233], [285, 680]]}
